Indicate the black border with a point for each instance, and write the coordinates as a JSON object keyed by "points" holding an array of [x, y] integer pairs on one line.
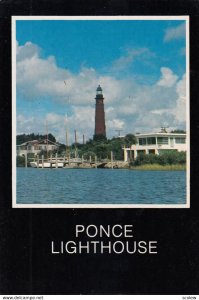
{"points": [[27, 267]]}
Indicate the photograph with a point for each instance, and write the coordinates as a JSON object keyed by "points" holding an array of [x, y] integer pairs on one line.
{"points": [[100, 112], [99, 149]]}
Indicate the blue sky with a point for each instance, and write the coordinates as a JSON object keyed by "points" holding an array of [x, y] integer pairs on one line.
{"points": [[139, 64]]}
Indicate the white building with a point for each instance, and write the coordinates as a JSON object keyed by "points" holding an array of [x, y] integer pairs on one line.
{"points": [[155, 143], [35, 147]]}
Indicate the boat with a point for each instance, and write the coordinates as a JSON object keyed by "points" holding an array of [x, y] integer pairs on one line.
{"points": [[47, 164], [58, 162]]}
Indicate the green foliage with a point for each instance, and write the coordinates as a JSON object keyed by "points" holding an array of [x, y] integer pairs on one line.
{"points": [[87, 155], [145, 159], [166, 158], [101, 150], [115, 146], [20, 161], [98, 146], [99, 138], [129, 140], [61, 150], [157, 167], [178, 131], [22, 138], [50, 137], [102, 147]]}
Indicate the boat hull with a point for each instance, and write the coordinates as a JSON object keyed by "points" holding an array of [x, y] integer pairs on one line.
{"points": [[34, 164]]}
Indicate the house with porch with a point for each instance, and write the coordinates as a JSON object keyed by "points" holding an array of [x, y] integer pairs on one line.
{"points": [[155, 143], [35, 147]]}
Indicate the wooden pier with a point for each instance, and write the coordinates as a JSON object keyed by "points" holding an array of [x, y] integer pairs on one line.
{"points": [[70, 163]]}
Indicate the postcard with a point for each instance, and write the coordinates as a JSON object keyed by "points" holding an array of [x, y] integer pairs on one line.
{"points": [[99, 149]]}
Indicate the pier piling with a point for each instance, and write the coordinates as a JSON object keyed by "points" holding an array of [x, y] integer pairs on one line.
{"points": [[42, 158], [26, 160], [56, 160], [95, 161], [111, 159]]}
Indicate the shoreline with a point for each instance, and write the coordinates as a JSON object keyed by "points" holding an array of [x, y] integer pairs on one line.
{"points": [[157, 167], [120, 166]]}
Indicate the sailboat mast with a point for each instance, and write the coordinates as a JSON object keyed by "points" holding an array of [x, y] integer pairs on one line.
{"points": [[67, 145], [75, 143], [46, 138]]}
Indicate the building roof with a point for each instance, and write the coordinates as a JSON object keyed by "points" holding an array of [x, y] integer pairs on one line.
{"points": [[163, 134], [40, 142], [99, 88]]}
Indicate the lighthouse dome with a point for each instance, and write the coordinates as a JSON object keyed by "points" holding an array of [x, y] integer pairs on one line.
{"points": [[99, 90]]}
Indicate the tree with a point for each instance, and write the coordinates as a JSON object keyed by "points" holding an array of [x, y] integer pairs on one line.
{"points": [[178, 131], [130, 139], [101, 150], [99, 138], [23, 138], [115, 146]]}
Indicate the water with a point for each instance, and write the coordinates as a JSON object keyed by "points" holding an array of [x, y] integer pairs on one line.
{"points": [[100, 186]]}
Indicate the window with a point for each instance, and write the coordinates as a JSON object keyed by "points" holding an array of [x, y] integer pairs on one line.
{"points": [[163, 140], [23, 147], [180, 140], [151, 141], [142, 141]]}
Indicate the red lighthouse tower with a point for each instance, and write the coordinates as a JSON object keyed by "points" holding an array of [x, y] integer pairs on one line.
{"points": [[100, 127]]}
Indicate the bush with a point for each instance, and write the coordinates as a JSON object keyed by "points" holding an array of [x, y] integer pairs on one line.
{"points": [[166, 158], [20, 161]]}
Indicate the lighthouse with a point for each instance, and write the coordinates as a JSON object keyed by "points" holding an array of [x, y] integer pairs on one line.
{"points": [[100, 127]]}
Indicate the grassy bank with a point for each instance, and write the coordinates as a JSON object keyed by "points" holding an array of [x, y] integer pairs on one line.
{"points": [[157, 167]]}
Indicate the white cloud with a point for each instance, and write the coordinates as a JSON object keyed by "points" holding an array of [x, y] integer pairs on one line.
{"points": [[37, 77], [27, 51], [160, 111], [129, 105], [129, 57], [168, 78], [174, 33], [180, 109], [28, 124]]}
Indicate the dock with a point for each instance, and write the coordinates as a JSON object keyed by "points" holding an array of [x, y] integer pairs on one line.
{"points": [[63, 162]]}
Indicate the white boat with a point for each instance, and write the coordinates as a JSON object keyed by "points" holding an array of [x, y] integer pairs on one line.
{"points": [[34, 164], [47, 164]]}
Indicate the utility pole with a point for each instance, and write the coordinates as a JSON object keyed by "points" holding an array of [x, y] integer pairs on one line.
{"points": [[118, 131]]}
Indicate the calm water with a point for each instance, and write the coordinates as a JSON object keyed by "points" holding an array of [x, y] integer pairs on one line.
{"points": [[101, 186]]}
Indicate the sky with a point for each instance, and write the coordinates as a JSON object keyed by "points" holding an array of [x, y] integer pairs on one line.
{"points": [[140, 65]]}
